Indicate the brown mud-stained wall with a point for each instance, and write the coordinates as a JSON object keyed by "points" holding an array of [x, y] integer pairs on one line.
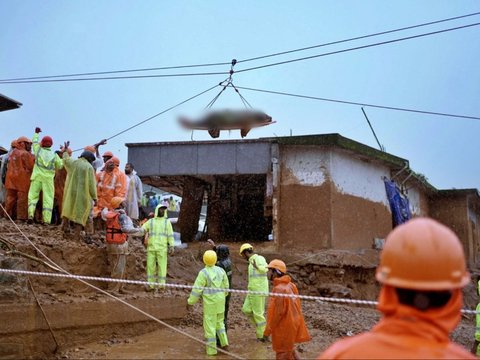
{"points": [[357, 221], [304, 217]]}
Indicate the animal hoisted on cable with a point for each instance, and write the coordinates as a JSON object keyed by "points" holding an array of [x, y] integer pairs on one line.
{"points": [[215, 121]]}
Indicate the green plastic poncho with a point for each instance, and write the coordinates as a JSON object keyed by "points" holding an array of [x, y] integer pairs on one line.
{"points": [[80, 189]]}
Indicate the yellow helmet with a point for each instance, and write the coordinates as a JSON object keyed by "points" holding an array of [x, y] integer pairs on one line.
{"points": [[244, 247], [210, 258]]}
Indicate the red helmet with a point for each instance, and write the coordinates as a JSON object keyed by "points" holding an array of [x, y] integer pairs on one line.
{"points": [[47, 141], [90, 148], [24, 139]]}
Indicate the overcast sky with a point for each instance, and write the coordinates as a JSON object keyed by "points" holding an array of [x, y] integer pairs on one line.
{"points": [[438, 73]]}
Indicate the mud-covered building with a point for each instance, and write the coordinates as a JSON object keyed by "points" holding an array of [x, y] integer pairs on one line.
{"points": [[310, 192]]}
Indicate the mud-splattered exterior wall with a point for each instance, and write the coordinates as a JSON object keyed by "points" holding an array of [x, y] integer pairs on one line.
{"points": [[419, 203], [359, 208], [459, 210], [330, 199]]}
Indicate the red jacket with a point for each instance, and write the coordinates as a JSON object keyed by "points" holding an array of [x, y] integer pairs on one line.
{"points": [[405, 333], [284, 317]]}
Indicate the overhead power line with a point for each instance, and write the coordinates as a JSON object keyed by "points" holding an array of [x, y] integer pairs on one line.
{"points": [[358, 47], [163, 112], [244, 60], [361, 104], [359, 37], [115, 77], [118, 71]]}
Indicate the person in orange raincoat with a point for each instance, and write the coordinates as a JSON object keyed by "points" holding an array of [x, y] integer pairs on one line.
{"points": [[422, 269], [17, 182], [284, 315], [110, 183]]}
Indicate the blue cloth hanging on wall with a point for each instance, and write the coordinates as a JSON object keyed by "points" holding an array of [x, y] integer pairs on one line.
{"points": [[399, 204]]}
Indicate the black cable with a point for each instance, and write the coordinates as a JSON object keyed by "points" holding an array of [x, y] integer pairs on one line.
{"points": [[359, 37], [358, 47], [158, 114], [115, 78], [361, 104], [117, 71], [245, 60]]}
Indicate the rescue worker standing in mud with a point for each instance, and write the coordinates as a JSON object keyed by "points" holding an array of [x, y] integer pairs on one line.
{"points": [[159, 244], [422, 271], [80, 191], [284, 316], [46, 161], [119, 226], [212, 277], [17, 182], [254, 305], [224, 262]]}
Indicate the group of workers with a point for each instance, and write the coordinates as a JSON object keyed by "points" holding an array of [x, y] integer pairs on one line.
{"points": [[79, 189], [422, 266], [422, 271]]}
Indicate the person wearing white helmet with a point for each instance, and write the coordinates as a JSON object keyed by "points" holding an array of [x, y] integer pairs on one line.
{"points": [[211, 277]]}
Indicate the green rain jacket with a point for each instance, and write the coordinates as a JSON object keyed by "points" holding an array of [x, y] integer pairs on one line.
{"points": [[477, 328], [160, 232], [257, 279], [80, 189], [213, 300], [46, 161]]}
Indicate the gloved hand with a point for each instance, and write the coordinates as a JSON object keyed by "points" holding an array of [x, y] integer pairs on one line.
{"points": [[38, 130], [170, 250]]}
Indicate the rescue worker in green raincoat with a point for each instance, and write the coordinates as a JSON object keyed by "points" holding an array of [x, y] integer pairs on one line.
{"points": [[212, 277], [80, 190], [159, 242], [254, 305], [476, 344], [46, 161]]}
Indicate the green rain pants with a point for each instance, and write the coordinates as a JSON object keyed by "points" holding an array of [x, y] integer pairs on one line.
{"points": [[157, 267], [48, 189], [254, 308], [213, 326]]}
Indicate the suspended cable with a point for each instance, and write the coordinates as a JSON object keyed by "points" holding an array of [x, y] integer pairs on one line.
{"points": [[358, 47], [361, 104], [162, 112], [117, 71], [245, 60], [359, 37], [115, 78]]}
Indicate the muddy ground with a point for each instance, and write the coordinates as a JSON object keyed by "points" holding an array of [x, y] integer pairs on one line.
{"points": [[328, 273]]}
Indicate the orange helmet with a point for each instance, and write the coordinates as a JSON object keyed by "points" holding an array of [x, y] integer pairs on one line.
{"points": [[116, 201], [279, 265], [24, 139], [423, 255], [90, 148], [107, 154], [116, 161]]}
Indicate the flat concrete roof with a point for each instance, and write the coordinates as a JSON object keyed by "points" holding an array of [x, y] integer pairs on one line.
{"points": [[8, 104]]}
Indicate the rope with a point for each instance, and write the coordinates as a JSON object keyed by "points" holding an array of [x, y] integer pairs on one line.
{"points": [[67, 274], [210, 289]]}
